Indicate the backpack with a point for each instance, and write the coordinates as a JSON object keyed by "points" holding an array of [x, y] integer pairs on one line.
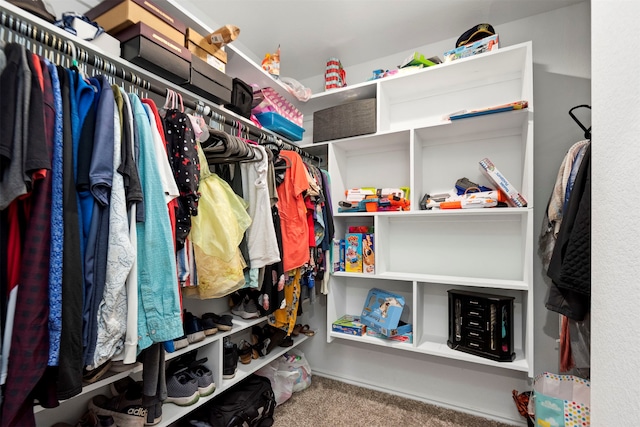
{"points": [[249, 403]]}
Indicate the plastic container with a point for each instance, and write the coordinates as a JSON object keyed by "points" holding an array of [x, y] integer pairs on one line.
{"points": [[278, 124]]}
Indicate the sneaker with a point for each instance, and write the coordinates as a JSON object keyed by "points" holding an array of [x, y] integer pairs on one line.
{"points": [[193, 327], [245, 352], [126, 409], [182, 389], [247, 309], [229, 360], [204, 376], [223, 323], [209, 327]]}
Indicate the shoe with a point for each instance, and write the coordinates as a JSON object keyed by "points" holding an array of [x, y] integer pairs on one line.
{"points": [[182, 389], [259, 342], [245, 352], [196, 369], [229, 360], [122, 385], [126, 409], [204, 376], [93, 375], [223, 323], [90, 419], [286, 342], [154, 414], [247, 309], [209, 327], [192, 328]]}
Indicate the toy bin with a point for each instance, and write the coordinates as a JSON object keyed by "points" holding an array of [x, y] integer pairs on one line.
{"points": [[278, 124]]}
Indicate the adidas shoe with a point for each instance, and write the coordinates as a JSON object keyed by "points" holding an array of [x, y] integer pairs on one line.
{"points": [[126, 409]]}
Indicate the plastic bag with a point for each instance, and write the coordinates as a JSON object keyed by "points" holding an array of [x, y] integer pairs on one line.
{"points": [[282, 381], [296, 89], [294, 361]]}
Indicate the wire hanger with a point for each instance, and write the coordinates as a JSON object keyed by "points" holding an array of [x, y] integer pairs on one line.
{"points": [[587, 132]]}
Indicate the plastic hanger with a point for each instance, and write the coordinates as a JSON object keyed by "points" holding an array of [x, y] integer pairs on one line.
{"points": [[587, 132]]}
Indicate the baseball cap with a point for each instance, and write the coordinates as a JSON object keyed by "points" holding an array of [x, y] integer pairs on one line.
{"points": [[478, 32]]}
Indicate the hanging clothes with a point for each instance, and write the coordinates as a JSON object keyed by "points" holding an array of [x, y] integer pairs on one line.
{"points": [[293, 212]]}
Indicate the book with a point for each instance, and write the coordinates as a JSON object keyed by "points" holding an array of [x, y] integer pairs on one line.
{"points": [[514, 198]]}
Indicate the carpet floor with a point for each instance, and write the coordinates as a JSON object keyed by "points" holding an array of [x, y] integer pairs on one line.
{"points": [[329, 402]]}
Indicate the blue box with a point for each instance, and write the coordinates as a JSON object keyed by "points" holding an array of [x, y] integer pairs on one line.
{"points": [[382, 312], [486, 44], [278, 124]]}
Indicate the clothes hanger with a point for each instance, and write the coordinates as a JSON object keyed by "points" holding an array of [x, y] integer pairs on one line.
{"points": [[587, 132]]}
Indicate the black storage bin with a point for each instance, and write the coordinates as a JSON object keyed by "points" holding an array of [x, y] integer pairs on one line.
{"points": [[241, 98], [345, 120]]}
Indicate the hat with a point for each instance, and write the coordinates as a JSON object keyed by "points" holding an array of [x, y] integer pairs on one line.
{"points": [[478, 32], [37, 7]]}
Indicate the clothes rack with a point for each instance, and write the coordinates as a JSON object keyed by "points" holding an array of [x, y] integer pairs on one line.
{"points": [[81, 52]]}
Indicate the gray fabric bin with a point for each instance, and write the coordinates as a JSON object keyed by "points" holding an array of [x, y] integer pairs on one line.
{"points": [[345, 120]]}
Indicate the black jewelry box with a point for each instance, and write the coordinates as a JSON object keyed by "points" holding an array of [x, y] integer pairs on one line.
{"points": [[481, 324]]}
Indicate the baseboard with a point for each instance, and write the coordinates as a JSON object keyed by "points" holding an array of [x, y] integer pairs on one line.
{"points": [[371, 386]]}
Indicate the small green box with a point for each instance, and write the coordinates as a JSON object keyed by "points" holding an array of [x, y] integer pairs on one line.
{"points": [[417, 59]]}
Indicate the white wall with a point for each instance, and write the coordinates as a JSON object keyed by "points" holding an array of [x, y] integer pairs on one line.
{"points": [[562, 61], [616, 215]]}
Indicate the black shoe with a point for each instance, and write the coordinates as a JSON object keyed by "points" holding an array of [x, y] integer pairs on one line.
{"points": [[223, 323], [209, 327], [229, 360], [193, 327]]}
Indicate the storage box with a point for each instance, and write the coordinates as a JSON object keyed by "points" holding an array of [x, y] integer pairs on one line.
{"points": [[208, 82], [337, 255], [146, 47], [486, 44], [514, 198], [382, 313], [116, 15], [368, 254], [345, 120], [349, 324], [278, 124], [481, 324], [198, 45], [353, 253]]}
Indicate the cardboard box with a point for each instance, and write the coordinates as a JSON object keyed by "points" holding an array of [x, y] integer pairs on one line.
{"points": [[335, 256], [382, 312], [486, 44], [514, 198], [345, 120], [116, 15], [353, 253], [146, 47], [368, 254], [209, 82], [199, 46], [349, 324]]}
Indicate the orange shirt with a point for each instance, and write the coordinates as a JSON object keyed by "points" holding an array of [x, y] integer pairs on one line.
{"points": [[293, 212]]}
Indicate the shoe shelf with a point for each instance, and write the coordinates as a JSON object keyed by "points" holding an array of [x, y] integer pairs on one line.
{"points": [[172, 413]]}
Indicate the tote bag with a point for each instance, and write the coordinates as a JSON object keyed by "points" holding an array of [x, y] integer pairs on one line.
{"points": [[561, 400]]}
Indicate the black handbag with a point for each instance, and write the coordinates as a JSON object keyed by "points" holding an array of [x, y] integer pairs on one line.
{"points": [[241, 98]]}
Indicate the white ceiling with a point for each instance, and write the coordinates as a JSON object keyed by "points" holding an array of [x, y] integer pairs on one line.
{"points": [[357, 31]]}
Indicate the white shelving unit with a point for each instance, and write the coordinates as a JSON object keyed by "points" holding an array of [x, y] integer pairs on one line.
{"points": [[422, 254]]}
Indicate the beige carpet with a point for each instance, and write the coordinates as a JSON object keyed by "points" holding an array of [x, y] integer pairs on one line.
{"points": [[329, 402]]}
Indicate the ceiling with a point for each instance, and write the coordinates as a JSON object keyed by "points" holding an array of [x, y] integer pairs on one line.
{"points": [[355, 31]]}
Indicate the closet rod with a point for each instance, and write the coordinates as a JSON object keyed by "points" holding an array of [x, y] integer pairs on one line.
{"points": [[22, 26]]}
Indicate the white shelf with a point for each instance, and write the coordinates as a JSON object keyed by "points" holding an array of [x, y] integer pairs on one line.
{"points": [[439, 349], [423, 254], [474, 282]]}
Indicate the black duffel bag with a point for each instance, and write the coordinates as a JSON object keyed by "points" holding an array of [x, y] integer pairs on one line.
{"points": [[249, 403]]}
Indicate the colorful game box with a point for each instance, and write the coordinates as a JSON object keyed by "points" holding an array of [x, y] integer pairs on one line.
{"points": [[349, 324], [382, 312], [368, 254], [353, 253]]}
